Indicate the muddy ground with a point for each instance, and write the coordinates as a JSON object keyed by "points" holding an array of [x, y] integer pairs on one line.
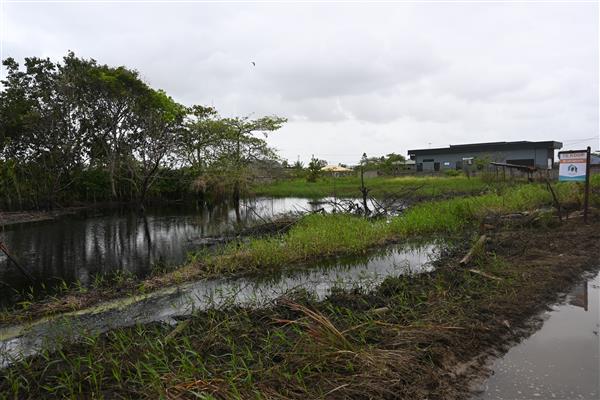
{"points": [[421, 337], [551, 262]]}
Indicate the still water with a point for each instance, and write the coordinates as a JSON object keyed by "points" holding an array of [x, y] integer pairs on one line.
{"points": [[79, 247], [559, 361], [168, 304]]}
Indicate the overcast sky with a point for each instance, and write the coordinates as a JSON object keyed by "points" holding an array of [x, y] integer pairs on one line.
{"points": [[351, 78]]}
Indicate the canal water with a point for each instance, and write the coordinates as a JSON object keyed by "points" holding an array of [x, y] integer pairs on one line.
{"points": [[78, 247], [559, 361], [166, 305]]}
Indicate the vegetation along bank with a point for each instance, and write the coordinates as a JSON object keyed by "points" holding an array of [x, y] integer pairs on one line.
{"points": [[413, 337], [314, 237]]}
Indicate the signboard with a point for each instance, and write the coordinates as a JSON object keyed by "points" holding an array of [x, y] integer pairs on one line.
{"points": [[575, 166], [572, 166]]}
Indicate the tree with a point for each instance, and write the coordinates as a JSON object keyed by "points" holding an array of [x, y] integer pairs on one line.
{"points": [[77, 127], [242, 148], [314, 169], [201, 140], [298, 165], [388, 164], [43, 127], [363, 189], [159, 119], [111, 99]]}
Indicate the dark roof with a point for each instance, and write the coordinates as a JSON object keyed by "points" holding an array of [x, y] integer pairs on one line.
{"points": [[491, 147]]}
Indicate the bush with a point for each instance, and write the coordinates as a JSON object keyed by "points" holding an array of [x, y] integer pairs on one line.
{"points": [[451, 172]]}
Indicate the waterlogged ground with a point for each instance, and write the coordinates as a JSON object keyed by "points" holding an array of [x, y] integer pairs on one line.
{"points": [[75, 248], [559, 361], [168, 304]]}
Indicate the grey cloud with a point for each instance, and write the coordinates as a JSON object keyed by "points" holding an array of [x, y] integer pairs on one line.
{"points": [[350, 77]]}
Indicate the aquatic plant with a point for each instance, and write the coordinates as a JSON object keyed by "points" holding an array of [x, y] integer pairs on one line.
{"points": [[402, 339], [320, 235]]}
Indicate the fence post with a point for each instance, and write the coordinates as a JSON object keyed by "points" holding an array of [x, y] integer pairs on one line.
{"points": [[586, 199]]}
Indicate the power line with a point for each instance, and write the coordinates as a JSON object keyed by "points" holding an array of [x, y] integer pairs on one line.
{"points": [[581, 139]]}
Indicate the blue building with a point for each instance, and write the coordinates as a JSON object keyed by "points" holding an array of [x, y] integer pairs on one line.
{"points": [[532, 154]]}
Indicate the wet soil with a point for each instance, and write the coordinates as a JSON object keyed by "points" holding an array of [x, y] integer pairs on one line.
{"points": [[558, 361], [415, 337], [549, 347], [173, 303]]}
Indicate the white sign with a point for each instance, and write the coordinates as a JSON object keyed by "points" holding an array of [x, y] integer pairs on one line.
{"points": [[572, 166]]}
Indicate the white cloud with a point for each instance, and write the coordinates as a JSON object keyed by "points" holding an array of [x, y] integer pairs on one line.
{"points": [[351, 78]]}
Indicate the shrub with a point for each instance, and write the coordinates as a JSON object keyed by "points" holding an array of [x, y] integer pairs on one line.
{"points": [[452, 172]]}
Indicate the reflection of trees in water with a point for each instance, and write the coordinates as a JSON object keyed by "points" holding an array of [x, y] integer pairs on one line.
{"points": [[77, 248]]}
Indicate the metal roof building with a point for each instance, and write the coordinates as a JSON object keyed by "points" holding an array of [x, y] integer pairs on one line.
{"points": [[532, 154]]}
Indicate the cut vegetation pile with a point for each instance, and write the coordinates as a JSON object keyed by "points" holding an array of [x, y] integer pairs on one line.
{"points": [[410, 338]]}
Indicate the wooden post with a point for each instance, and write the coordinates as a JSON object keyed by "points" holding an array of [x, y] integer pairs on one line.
{"points": [[587, 185], [555, 198]]}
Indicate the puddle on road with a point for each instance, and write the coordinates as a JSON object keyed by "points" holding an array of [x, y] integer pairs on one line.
{"points": [[559, 361], [169, 303]]}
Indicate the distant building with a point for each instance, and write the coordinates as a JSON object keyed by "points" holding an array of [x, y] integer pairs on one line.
{"points": [[533, 154], [404, 165]]}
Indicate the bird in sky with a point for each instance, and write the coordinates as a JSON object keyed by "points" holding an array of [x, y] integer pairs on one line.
{"points": [[253, 63]]}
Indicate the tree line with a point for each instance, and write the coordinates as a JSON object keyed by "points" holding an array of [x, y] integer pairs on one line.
{"points": [[79, 131]]}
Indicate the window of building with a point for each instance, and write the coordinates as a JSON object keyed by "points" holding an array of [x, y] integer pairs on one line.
{"points": [[428, 160]]}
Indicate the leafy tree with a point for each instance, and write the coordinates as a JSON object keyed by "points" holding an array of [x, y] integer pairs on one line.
{"points": [[201, 137], [78, 129], [388, 164], [46, 136], [159, 119], [314, 169], [298, 165], [115, 97], [242, 148]]}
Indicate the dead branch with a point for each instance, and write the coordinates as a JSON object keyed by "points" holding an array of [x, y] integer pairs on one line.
{"points": [[467, 258], [16, 263], [484, 274]]}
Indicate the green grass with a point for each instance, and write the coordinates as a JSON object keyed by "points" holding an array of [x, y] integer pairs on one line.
{"points": [[326, 235], [348, 186], [319, 236], [400, 340]]}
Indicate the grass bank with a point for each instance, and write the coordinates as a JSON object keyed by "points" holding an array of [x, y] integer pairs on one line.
{"points": [[413, 337], [348, 186], [315, 237], [327, 235]]}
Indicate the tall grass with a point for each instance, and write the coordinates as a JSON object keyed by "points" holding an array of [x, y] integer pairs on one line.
{"points": [[403, 339], [326, 235], [348, 186], [317, 236]]}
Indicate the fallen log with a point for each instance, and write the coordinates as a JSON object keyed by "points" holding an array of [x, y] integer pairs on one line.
{"points": [[23, 270], [467, 258]]}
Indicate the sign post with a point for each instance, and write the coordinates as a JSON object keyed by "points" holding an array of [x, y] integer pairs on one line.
{"points": [[586, 199], [575, 167]]}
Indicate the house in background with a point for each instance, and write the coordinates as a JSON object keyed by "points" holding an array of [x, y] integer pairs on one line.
{"points": [[405, 165], [531, 154]]}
